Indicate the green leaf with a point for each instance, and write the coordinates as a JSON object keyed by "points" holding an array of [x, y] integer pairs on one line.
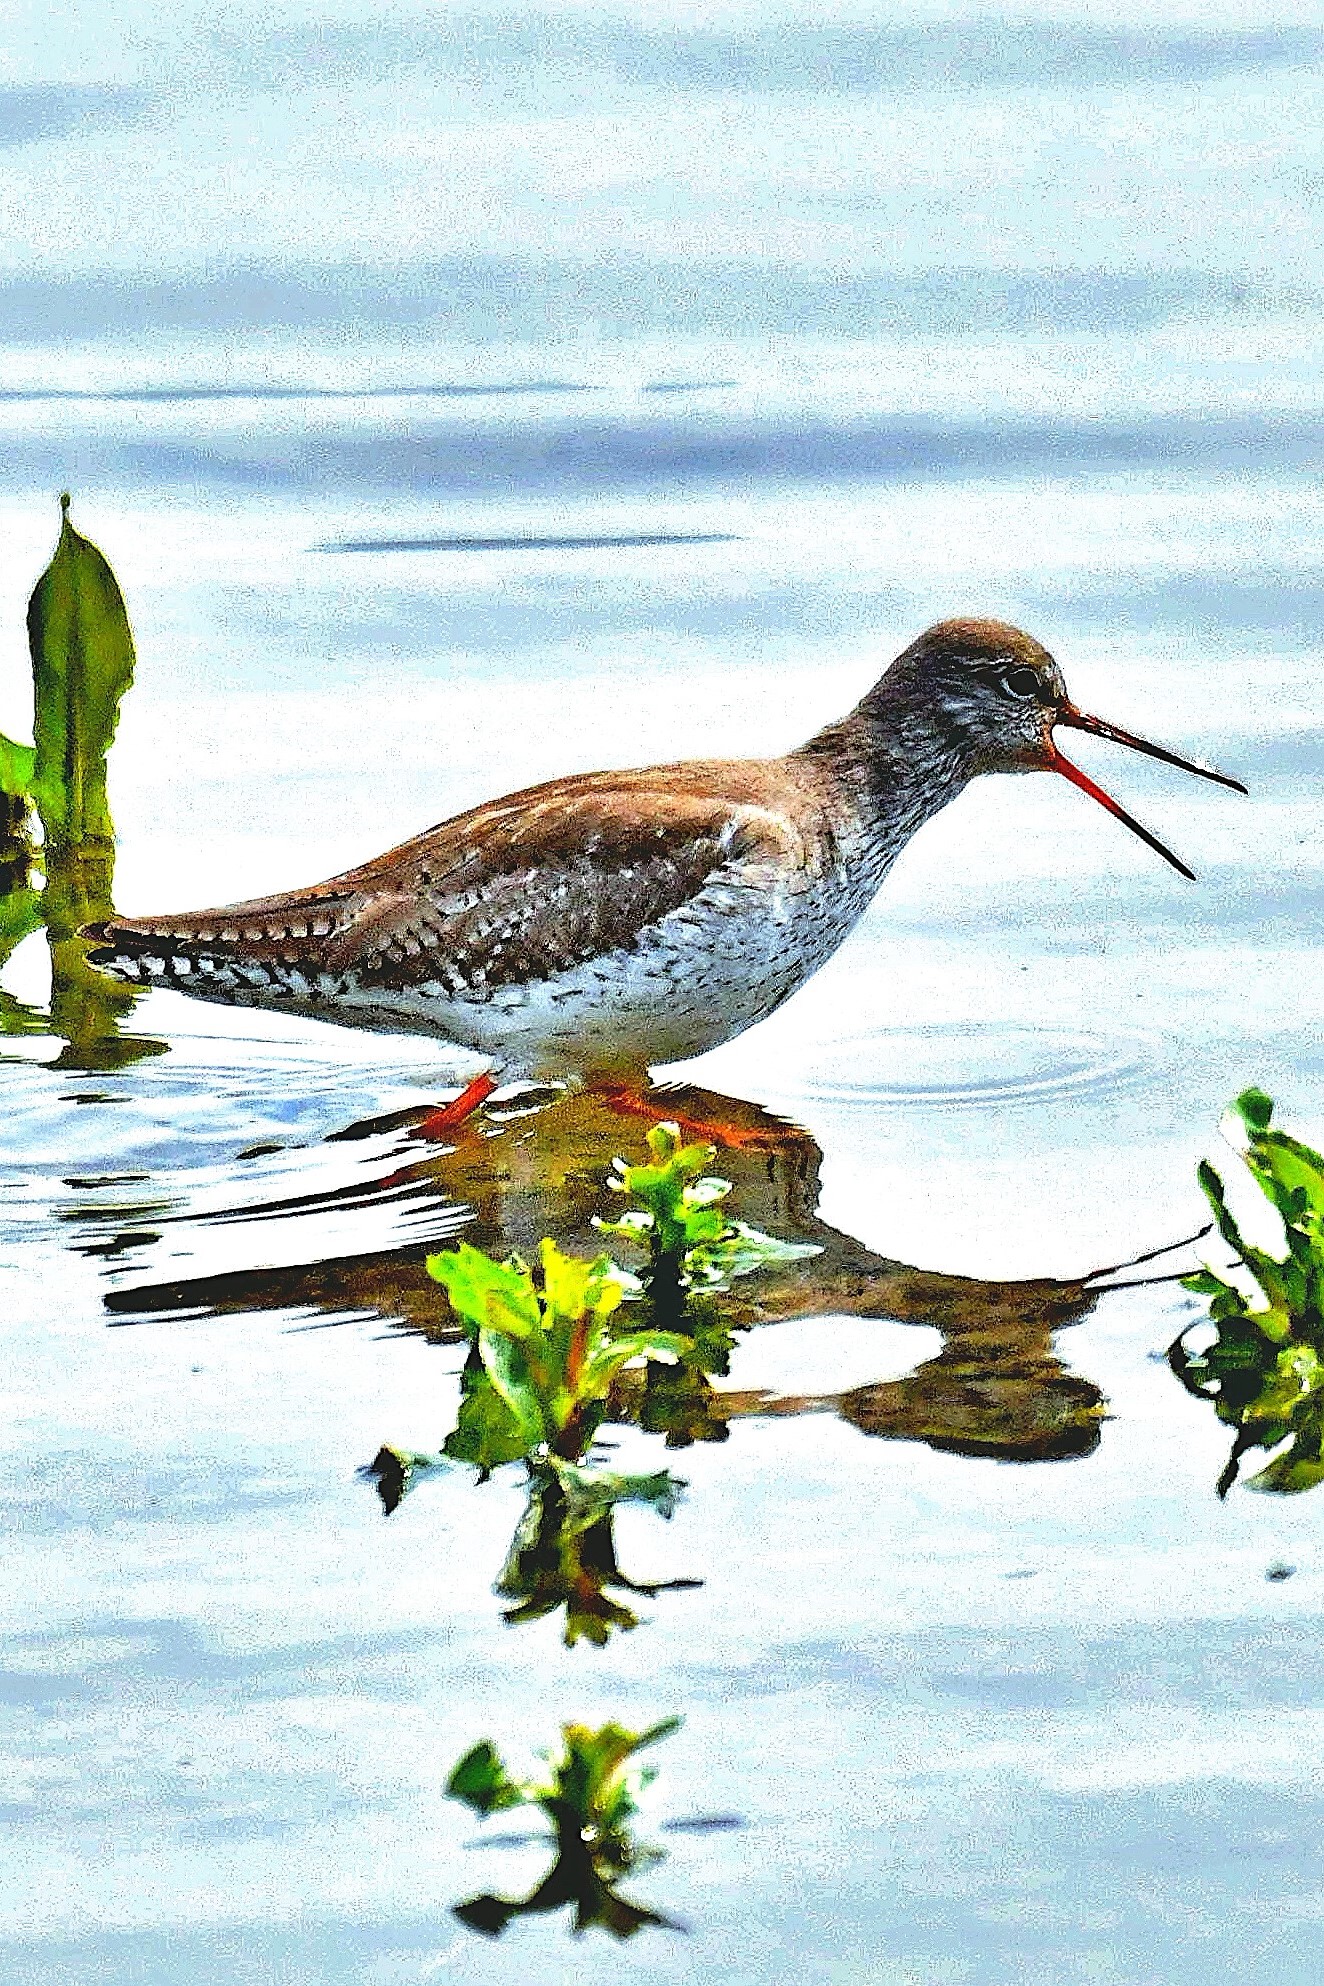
{"points": [[21, 913], [1212, 1188], [1288, 1474], [592, 1783], [481, 1781], [1203, 1282], [396, 1471], [485, 1294], [527, 1403], [82, 664], [742, 1250], [486, 1432], [1254, 1109], [602, 1365], [1290, 1174], [1267, 1272], [17, 765], [574, 1288]]}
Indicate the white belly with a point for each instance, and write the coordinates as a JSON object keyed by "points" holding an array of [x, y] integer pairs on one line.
{"points": [[691, 981]]}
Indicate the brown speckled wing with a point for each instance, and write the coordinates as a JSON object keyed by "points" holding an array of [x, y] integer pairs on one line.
{"points": [[513, 892]]}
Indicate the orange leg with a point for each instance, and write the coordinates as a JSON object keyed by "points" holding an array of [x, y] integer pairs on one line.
{"points": [[438, 1124]]}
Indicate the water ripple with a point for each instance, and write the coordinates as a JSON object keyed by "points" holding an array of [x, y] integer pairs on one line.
{"points": [[978, 1065]]}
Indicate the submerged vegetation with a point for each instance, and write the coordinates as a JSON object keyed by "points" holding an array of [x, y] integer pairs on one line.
{"points": [[1264, 1369], [590, 1798]]}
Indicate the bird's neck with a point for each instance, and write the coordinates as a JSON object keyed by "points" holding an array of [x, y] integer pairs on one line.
{"points": [[896, 759]]}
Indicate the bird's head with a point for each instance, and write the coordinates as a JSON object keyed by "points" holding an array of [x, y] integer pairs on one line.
{"points": [[996, 696]]}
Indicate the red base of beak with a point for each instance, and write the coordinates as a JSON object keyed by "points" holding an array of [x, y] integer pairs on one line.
{"points": [[1054, 761]]}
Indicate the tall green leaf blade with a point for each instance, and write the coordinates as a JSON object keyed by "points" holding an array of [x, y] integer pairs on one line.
{"points": [[82, 663]]}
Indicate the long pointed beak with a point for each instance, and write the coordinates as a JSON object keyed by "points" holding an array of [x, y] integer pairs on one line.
{"points": [[1078, 720]]}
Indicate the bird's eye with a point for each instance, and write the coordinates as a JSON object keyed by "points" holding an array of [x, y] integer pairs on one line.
{"points": [[1020, 682]]}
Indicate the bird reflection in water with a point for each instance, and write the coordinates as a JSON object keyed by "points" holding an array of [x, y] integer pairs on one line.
{"points": [[997, 1388], [537, 1167]]}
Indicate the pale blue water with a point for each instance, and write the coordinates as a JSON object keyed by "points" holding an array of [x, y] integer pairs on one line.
{"points": [[399, 536]]}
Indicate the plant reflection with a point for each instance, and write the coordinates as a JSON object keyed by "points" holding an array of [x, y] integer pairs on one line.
{"points": [[563, 1554], [590, 1800], [543, 1354], [86, 1008]]}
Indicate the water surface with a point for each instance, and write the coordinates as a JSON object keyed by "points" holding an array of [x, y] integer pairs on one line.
{"points": [[996, 1688]]}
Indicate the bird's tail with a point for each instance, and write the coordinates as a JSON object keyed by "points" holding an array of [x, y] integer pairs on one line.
{"points": [[246, 952]]}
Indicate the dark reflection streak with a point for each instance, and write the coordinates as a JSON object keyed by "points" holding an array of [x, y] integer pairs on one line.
{"points": [[1150, 1255], [156, 395], [391, 1192], [323, 1324], [1141, 1282], [348, 1200]]}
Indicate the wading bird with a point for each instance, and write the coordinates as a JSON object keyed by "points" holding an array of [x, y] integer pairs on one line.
{"points": [[599, 924]]}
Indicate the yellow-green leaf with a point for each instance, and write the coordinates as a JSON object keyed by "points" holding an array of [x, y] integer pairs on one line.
{"points": [[17, 764]]}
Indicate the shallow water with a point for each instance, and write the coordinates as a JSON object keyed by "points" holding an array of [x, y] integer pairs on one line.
{"points": [[980, 1717]]}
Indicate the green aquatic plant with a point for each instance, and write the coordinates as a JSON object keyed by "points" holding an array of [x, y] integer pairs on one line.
{"points": [[82, 663], [1264, 1369], [694, 1250], [547, 1360], [691, 1241], [535, 1388], [590, 1798], [543, 1351]]}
